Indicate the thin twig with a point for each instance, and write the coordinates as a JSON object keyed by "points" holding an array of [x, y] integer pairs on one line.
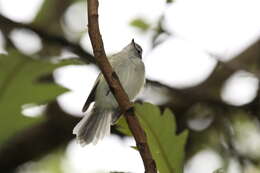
{"points": [[117, 89]]}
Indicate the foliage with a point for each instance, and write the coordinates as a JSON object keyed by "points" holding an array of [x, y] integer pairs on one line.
{"points": [[140, 24], [166, 146], [48, 21], [51, 163], [122, 126], [20, 85]]}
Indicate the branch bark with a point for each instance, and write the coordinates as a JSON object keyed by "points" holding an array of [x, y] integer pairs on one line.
{"points": [[117, 89]]}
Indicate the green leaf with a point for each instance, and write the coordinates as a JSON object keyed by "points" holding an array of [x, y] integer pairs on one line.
{"points": [[166, 146], [122, 126], [140, 24], [19, 85]]}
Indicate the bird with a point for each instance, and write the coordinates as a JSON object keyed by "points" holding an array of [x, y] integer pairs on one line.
{"points": [[95, 124]]}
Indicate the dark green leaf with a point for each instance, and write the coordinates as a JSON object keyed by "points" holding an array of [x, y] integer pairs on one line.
{"points": [[19, 85]]}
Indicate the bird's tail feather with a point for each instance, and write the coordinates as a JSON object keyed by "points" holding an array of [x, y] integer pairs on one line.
{"points": [[94, 126]]}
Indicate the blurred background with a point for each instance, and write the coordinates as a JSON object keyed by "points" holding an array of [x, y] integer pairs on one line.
{"points": [[202, 60]]}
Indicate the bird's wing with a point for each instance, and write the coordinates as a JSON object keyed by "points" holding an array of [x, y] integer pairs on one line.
{"points": [[114, 59], [92, 94]]}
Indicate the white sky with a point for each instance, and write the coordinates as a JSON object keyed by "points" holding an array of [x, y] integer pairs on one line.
{"points": [[223, 27]]}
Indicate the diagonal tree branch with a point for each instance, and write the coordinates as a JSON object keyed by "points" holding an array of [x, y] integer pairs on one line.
{"points": [[117, 89]]}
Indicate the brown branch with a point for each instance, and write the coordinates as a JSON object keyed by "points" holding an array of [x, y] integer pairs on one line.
{"points": [[117, 89]]}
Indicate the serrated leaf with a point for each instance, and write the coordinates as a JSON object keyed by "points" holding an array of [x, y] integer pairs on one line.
{"points": [[166, 146], [140, 24], [19, 85]]}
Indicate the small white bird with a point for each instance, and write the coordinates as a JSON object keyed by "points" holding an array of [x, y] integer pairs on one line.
{"points": [[130, 69]]}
